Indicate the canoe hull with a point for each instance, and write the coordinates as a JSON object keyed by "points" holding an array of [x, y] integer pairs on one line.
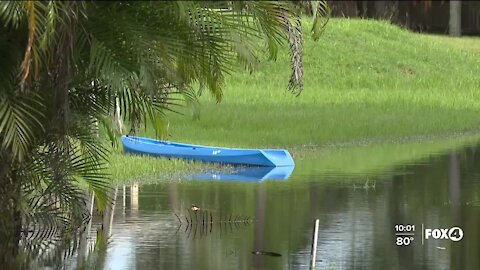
{"points": [[237, 156]]}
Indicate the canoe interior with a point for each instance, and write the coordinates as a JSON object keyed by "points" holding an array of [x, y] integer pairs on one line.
{"points": [[193, 146]]}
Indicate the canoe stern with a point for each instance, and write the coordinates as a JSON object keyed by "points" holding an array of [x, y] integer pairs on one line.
{"points": [[279, 158]]}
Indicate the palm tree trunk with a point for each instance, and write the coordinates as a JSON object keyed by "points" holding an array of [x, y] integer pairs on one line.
{"points": [[117, 117], [454, 180], [84, 246], [381, 10], [107, 218], [10, 221], [63, 76], [386, 10], [455, 23], [455, 194], [134, 200], [259, 239]]}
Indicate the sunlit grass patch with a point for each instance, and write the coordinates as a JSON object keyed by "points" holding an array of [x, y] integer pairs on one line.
{"points": [[133, 168]]}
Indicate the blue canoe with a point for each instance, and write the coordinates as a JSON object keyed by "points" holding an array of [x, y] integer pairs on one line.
{"points": [[251, 157]]}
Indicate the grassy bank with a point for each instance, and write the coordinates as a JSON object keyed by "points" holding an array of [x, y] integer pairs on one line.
{"points": [[365, 81]]}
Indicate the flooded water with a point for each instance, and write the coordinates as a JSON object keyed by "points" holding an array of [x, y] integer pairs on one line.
{"points": [[357, 211]]}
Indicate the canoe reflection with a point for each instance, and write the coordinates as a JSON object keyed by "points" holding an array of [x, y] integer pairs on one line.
{"points": [[247, 174]]}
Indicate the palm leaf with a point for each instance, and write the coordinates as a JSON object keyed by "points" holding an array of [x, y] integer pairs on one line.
{"points": [[321, 15], [20, 119], [12, 13]]}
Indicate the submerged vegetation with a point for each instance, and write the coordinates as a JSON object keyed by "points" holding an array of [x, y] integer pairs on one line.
{"points": [[126, 169]]}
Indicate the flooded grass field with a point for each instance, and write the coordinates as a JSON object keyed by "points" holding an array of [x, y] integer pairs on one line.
{"points": [[384, 136], [241, 224]]}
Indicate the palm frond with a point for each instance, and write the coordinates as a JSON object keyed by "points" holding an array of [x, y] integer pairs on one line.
{"points": [[92, 171], [31, 59], [295, 40], [143, 57], [321, 15], [21, 117], [52, 209], [12, 13]]}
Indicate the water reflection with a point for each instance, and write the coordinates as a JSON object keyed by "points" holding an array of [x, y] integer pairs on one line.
{"points": [[357, 215], [356, 224], [247, 174]]}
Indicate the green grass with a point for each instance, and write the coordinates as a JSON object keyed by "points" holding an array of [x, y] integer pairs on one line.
{"points": [[365, 81], [126, 169]]}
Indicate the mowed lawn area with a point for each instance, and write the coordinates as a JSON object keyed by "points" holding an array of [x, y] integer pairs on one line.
{"points": [[366, 82]]}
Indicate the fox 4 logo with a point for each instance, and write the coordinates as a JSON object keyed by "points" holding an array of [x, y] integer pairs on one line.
{"points": [[455, 234]]}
